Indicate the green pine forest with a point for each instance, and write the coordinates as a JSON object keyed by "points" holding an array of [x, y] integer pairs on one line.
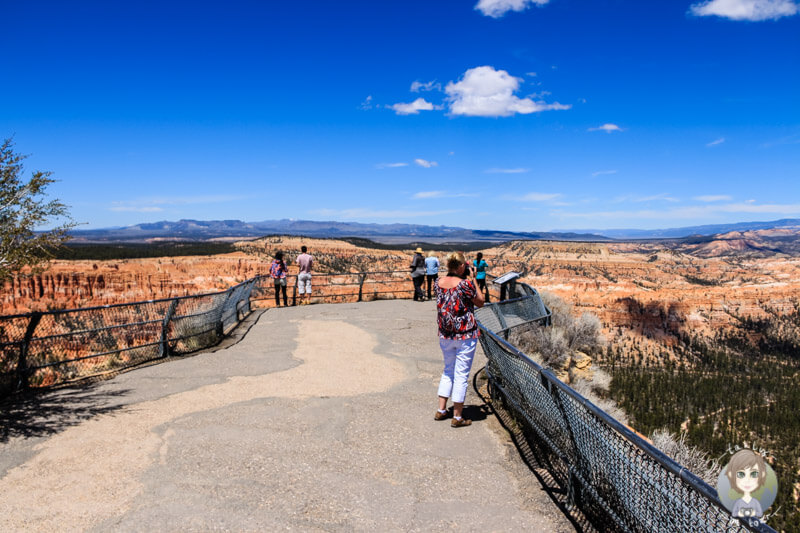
{"points": [[740, 386]]}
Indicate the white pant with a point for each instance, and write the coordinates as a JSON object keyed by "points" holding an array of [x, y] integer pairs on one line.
{"points": [[304, 283], [457, 364]]}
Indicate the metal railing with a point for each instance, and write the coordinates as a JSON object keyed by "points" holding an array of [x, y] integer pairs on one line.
{"points": [[342, 287], [619, 481], [42, 349]]}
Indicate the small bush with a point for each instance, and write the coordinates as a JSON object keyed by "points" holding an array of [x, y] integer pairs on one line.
{"points": [[695, 459]]}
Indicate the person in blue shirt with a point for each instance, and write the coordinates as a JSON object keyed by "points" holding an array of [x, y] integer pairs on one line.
{"points": [[431, 270], [480, 267]]}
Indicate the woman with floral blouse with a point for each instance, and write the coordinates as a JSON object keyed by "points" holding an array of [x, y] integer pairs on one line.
{"points": [[456, 299]]}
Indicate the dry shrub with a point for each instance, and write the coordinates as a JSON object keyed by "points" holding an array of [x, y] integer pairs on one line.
{"points": [[555, 345], [695, 459], [567, 334], [588, 390]]}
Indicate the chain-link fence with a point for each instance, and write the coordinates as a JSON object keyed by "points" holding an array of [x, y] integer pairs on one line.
{"points": [[618, 480], [42, 349]]}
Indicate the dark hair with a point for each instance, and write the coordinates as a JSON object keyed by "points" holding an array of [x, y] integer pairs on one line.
{"points": [[303, 249], [279, 258], [479, 257]]}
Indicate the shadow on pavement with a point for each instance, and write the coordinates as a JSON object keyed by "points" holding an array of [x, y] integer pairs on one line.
{"points": [[37, 414], [530, 458]]}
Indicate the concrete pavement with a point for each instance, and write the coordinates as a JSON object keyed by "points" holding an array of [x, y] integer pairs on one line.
{"points": [[314, 418]]}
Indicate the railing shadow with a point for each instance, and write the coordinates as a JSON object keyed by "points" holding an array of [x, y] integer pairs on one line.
{"points": [[530, 455], [40, 414]]}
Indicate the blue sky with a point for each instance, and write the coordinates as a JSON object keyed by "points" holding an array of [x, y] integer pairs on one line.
{"points": [[525, 115]]}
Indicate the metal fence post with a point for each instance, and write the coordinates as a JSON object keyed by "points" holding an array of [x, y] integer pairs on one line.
{"points": [[294, 294], [164, 346], [220, 321], [361, 278], [22, 364]]}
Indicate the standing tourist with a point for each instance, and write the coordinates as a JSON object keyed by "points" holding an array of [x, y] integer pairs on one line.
{"points": [[277, 272], [480, 271], [431, 270], [418, 275], [456, 299], [306, 262]]}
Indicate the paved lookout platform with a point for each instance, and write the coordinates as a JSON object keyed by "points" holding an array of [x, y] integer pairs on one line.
{"points": [[312, 418]]}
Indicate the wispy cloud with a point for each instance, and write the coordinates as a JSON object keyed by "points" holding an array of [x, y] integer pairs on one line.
{"points": [[506, 170], [426, 164], [367, 103], [608, 128], [486, 92], [533, 197], [603, 173], [413, 108], [498, 8], [426, 195], [641, 199], [752, 10], [689, 212], [156, 204], [361, 213], [419, 86], [791, 139], [718, 141], [713, 198], [391, 165], [136, 209]]}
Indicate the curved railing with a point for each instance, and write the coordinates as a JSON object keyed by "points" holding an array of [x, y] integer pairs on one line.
{"points": [[617, 479], [41, 349]]}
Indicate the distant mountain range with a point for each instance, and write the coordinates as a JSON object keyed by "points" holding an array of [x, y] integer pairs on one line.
{"points": [[679, 233], [385, 233], [201, 230]]}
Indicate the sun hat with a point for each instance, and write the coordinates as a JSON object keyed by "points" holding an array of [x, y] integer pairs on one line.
{"points": [[419, 250]]}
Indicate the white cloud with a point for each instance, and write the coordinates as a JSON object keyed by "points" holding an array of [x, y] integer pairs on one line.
{"points": [[498, 8], [603, 173], [507, 170], [713, 198], [718, 141], [135, 209], [791, 139], [753, 10], [426, 164], [429, 194], [536, 197], [368, 213], [154, 204], [425, 195], [608, 128], [367, 103], [690, 212], [640, 199], [486, 92], [419, 86], [391, 165], [413, 108]]}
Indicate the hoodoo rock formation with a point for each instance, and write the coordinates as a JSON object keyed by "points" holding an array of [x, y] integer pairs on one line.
{"points": [[647, 292]]}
